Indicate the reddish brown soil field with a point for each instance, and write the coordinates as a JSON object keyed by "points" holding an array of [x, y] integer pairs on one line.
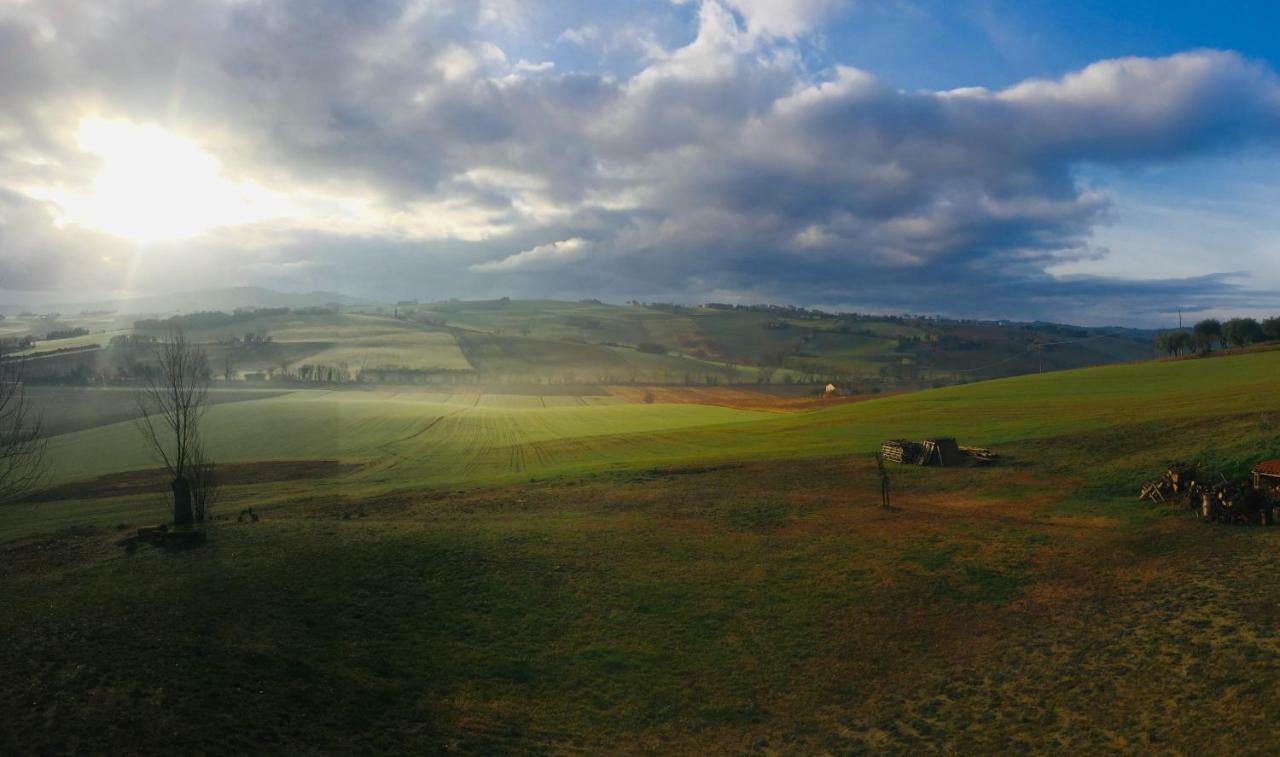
{"points": [[736, 397], [230, 474]]}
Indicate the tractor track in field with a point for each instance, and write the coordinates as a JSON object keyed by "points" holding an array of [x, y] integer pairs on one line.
{"points": [[399, 458]]}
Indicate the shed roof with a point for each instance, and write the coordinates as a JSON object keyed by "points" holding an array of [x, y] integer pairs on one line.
{"points": [[1268, 467]]}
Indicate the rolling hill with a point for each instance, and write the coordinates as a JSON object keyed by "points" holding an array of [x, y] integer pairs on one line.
{"points": [[412, 438], [800, 342], [545, 341]]}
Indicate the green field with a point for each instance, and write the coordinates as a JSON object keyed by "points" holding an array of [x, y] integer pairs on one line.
{"points": [[66, 409], [551, 320], [407, 350], [434, 429], [99, 338], [359, 342], [513, 358], [487, 573], [406, 439]]}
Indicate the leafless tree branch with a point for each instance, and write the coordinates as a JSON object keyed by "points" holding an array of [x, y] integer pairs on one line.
{"points": [[205, 483], [171, 406]]}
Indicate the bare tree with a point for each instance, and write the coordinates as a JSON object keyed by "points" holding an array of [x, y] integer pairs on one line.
{"points": [[172, 405], [205, 484], [22, 443]]}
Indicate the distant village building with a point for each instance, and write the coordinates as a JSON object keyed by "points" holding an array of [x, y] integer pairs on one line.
{"points": [[1266, 475], [939, 451]]}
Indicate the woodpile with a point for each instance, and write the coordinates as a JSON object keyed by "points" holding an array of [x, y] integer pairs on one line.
{"points": [[940, 451], [1219, 501], [1156, 491], [943, 451], [1230, 502], [901, 451], [1179, 478], [979, 454]]}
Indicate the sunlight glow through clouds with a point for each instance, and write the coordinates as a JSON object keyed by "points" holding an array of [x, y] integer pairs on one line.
{"points": [[156, 186]]}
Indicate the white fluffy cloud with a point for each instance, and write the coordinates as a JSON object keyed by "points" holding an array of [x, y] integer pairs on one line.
{"points": [[542, 257], [784, 18]]}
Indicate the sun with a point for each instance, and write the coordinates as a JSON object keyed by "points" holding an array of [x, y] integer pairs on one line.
{"points": [[157, 186]]}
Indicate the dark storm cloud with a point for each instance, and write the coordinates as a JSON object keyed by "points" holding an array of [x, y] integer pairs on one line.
{"points": [[722, 167]]}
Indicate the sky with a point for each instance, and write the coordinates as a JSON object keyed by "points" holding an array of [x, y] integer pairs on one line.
{"points": [[1088, 162]]}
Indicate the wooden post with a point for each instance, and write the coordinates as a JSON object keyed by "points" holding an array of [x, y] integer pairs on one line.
{"points": [[884, 482]]}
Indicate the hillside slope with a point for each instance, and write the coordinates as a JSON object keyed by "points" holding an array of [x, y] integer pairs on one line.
{"points": [[410, 439], [801, 343], [497, 573]]}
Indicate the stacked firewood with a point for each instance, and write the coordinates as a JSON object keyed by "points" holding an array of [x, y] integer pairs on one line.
{"points": [[1179, 478], [1232, 502], [1219, 501], [979, 454], [901, 451], [916, 453]]}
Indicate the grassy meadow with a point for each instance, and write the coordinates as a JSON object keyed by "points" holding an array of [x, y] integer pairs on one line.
{"points": [[485, 572]]}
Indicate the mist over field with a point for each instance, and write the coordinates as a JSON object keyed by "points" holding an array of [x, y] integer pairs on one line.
{"points": [[663, 376]]}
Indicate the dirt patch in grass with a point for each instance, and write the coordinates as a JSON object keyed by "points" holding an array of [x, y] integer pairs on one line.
{"points": [[59, 549], [148, 481], [735, 397], [692, 470]]}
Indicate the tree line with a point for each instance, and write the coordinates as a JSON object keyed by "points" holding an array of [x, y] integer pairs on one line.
{"points": [[66, 333], [207, 319], [1211, 333]]}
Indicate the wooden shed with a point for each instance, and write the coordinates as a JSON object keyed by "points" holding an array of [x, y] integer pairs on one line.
{"points": [[942, 451], [1266, 475]]}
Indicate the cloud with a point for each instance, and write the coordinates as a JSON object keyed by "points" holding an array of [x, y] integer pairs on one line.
{"points": [[544, 256], [784, 18], [582, 36], [409, 141], [529, 67]]}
